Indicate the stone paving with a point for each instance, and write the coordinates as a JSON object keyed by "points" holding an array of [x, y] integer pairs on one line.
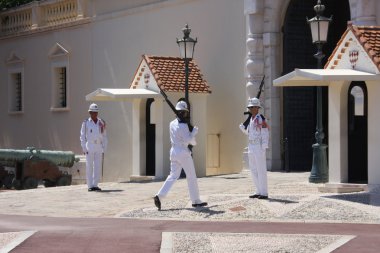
{"points": [[252, 242], [300, 208], [291, 199]]}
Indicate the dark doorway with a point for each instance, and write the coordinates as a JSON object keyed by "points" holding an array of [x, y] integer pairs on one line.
{"points": [[299, 103], [357, 133], [150, 141]]}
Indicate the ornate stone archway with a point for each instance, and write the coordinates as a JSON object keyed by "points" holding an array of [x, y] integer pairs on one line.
{"points": [[264, 57]]}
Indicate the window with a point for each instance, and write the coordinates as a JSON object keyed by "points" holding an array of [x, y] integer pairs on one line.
{"points": [[15, 65], [59, 63], [15, 92], [358, 95], [59, 87]]}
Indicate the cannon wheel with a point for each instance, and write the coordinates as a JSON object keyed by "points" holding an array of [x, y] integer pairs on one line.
{"points": [[63, 181], [49, 183], [16, 184], [30, 183], [8, 179]]}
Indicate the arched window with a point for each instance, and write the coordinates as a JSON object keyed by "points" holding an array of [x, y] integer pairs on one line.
{"points": [[358, 96]]}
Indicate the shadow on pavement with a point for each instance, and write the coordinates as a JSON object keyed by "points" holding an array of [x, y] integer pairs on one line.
{"points": [[205, 210], [107, 191], [284, 201], [362, 198]]}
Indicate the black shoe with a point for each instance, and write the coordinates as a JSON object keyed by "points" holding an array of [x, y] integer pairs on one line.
{"points": [[254, 196], [262, 197], [91, 189], [97, 189], [200, 204], [157, 202]]}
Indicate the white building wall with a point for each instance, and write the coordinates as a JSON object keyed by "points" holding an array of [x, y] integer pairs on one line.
{"points": [[119, 41], [373, 135], [105, 52]]}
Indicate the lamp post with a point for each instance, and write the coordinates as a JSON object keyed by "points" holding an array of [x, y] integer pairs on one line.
{"points": [[319, 26], [186, 50]]}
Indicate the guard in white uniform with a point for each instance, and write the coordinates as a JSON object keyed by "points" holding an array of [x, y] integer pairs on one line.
{"points": [[180, 157], [93, 139], [258, 138]]}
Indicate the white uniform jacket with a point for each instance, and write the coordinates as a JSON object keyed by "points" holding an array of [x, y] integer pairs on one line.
{"points": [[257, 134], [181, 137], [93, 136]]}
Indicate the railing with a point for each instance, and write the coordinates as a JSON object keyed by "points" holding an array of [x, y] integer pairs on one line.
{"points": [[36, 15], [17, 22], [61, 12]]}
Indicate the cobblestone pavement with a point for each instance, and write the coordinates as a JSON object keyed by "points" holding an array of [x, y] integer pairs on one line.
{"points": [[253, 242], [291, 199]]}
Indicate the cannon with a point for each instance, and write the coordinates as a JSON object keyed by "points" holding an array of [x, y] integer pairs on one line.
{"points": [[32, 165]]}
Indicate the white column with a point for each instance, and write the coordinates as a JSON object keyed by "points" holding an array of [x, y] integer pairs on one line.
{"points": [[80, 8], [363, 12], [338, 135], [158, 111], [36, 15], [271, 43], [138, 161], [373, 89], [254, 9]]}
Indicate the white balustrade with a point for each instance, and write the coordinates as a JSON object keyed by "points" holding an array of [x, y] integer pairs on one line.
{"points": [[61, 12], [16, 22], [40, 14]]}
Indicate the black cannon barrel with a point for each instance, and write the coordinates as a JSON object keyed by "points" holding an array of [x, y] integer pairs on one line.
{"points": [[9, 157]]}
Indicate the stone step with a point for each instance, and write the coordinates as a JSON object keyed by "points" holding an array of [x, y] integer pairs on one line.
{"points": [[342, 188], [139, 178]]}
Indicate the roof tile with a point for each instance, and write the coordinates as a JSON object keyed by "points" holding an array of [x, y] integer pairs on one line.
{"points": [[169, 73]]}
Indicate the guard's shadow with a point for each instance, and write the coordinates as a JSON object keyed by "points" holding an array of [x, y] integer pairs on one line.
{"points": [[283, 201], [107, 191], [205, 210]]}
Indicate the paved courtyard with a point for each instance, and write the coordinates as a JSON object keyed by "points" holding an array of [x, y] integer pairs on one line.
{"points": [[292, 200]]}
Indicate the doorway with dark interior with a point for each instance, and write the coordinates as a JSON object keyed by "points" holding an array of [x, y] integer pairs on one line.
{"points": [[150, 144], [299, 103], [357, 130]]}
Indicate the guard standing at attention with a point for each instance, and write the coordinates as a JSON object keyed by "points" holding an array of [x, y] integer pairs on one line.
{"points": [[180, 157], [258, 138], [93, 138]]}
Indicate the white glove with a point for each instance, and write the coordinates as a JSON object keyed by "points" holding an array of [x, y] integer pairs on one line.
{"points": [[242, 127], [195, 131]]}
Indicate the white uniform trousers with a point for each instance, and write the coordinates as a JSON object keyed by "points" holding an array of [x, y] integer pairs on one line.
{"points": [[258, 168], [93, 168], [177, 162]]}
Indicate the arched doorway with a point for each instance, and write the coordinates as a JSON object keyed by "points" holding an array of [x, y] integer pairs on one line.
{"points": [[357, 133], [299, 103], [150, 140]]}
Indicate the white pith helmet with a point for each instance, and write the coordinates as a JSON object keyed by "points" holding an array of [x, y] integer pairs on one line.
{"points": [[181, 106], [254, 102], [93, 108]]}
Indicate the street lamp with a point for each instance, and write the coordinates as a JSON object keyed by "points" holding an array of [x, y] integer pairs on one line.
{"points": [[319, 26], [186, 50]]}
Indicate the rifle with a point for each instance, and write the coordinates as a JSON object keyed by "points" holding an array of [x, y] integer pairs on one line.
{"points": [[187, 120], [246, 122]]}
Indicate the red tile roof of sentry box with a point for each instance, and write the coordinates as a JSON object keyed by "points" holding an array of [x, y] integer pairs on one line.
{"points": [[368, 37], [169, 73]]}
